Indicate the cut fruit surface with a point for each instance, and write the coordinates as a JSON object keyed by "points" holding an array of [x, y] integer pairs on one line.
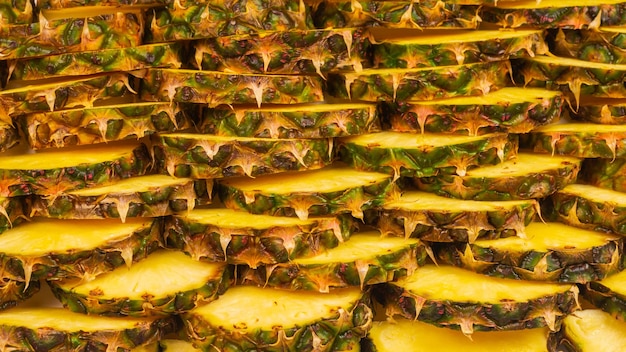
{"points": [[590, 330], [273, 318], [528, 176], [144, 289]]}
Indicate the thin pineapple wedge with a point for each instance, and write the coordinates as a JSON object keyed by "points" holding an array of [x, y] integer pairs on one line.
{"points": [[583, 140], [453, 47], [298, 51], [242, 238], [526, 177], [415, 336], [216, 88], [53, 171], [395, 14], [421, 155], [165, 282], [605, 173], [608, 294], [85, 63], [511, 109], [82, 249], [423, 83], [331, 190], [550, 252], [207, 156], [365, 259], [591, 207], [604, 44], [142, 196], [57, 329], [101, 124], [251, 318], [293, 121], [606, 111], [589, 330], [484, 303], [575, 14], [434, 218]]}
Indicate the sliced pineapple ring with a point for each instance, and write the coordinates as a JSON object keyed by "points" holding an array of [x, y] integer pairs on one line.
{"points": [[401, 84], [420, 155], [412, 49], [55, 249], [166, 282], [51, 172], [50, 329], [208, 156], [252, 318], [590, 330], [511, 109], [441, 219], [551, 252], [526, 177], [331, 190], [217, 88], [416, 336], [584, 140], [608, 294], [142, 196], [242, 238], [293, 121], [365, 259], [484, 303], [605, 173], [591, 207]]}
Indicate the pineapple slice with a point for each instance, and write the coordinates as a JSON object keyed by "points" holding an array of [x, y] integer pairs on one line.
{"points": [[84, 126], [249, 318], [604, 44], [56, 329], [243, 238], [551, 252], [605, 173], [584, 140], [484, 303], [52, 172], [526, 177], [365, 259], [411, 49], [434, 218], [575, 14], [92, 62], [511, 109], [395, 14], [424, 83], [421, 155], [591, 207], [606, 111], [142, 196], [293, 121], [57, 249], [590, 330], [165, 282], [331, 190], [297, 51], [207, 156], [608, 294], [216, 88], [85, 4], [415, 336]]}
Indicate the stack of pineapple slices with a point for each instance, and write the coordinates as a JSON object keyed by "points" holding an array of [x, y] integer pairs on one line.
{"points": [[186, 175]]}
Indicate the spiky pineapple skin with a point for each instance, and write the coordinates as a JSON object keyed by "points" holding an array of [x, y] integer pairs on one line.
{"points": [[9, 136], [13, 211], [395, 14], [66, 4], [428, 161], [102, 124], [303, 52], [472, 119], [419, 84], [255, 247], [604, 111], [13, 291], [15, 12], [93, 62], [582, 144], [185, 156], [605, 173], [604, 298], [574, 17], [299, 123], [592, 45], [215, 88]]}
